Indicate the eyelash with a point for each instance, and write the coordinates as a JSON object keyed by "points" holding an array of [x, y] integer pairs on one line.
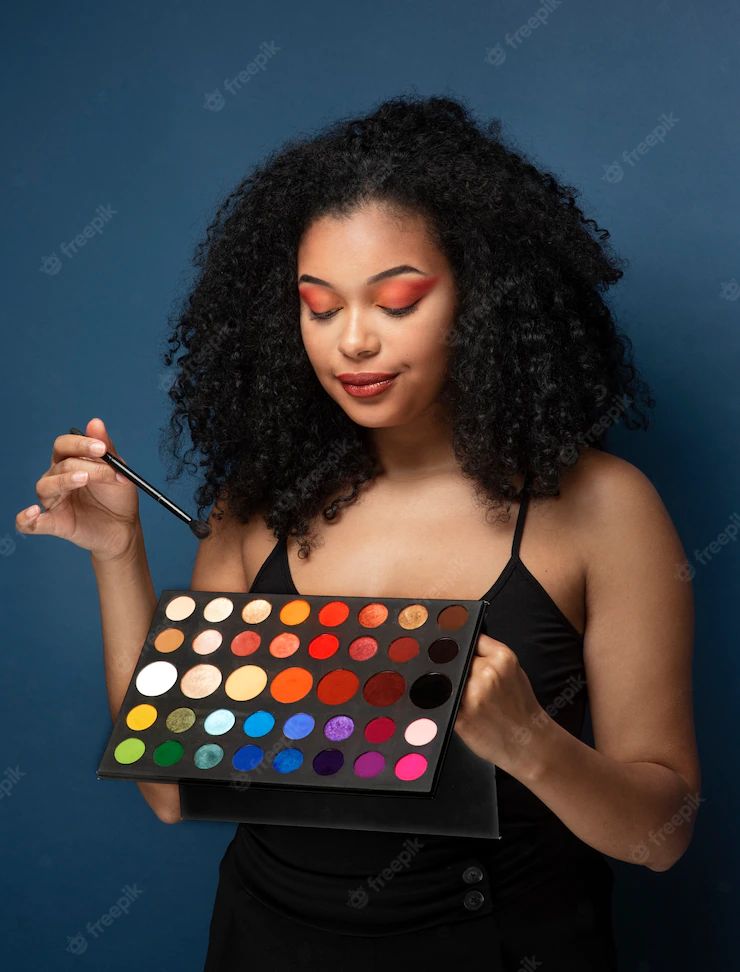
{"points": [[392, 312]]}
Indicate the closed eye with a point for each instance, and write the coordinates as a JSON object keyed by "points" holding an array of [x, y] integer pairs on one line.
{"points": [[390, 311]]}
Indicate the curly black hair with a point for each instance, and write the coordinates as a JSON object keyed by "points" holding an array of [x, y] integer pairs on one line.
{"points": [[537, 367]]}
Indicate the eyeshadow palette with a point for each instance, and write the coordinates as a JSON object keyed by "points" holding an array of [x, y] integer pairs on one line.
{"points": [[310, 692]]}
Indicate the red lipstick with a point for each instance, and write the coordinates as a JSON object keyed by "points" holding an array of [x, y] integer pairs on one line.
{"points": [[366, 384]]}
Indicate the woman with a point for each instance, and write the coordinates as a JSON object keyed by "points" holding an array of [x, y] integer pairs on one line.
{"points": [[398, 336]]}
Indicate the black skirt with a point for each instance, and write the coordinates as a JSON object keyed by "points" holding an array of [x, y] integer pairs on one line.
{"points": [[557, 927]]}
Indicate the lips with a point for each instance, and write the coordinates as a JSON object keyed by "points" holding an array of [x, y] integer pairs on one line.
{"points": [[366, 384], [365, 377]]}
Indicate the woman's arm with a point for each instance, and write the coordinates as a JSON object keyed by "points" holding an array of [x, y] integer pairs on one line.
{"points": [[127, 605], [634, 797]]}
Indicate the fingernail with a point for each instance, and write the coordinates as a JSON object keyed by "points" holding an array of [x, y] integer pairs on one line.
{"points": [[120, 478], [31, 512], [98, 448], [79, 477]]}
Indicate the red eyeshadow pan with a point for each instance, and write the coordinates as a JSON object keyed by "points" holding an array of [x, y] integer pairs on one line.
{"points": [[363, 648], [379, 730], [385, 688], [246, 643], [337, 686], [403, 649], [333, 613], [323, 646]]}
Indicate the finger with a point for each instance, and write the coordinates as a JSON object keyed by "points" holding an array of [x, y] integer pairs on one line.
{"points": [[34, 520], [486, 645], [97, 430], [51, 488], [72, 445]]}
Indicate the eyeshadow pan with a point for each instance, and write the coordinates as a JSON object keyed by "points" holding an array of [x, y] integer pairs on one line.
{"points": [[328, 762], [338, 686], [453, 616], [420, 732], [245, 683], [363, 648], [288, 760], [207, 641], [413, 616], [430, 690], [247, 758], [219, 722], [208, 755], [254, 612], [246, 643], [384, 688], [259, 723], [411, 766], [180, 607], [339, 727], [200, 681], [371, 615], [323, 646], [129, 750], [298, 726], [169, 640], [180, 719], [156, 678], [295, 612], [443, 650], [291, 685], [168, 753], [379, 730], [218, 609], [284, 645], [403, 649], [369, 764], [333, 613], [141, 717]]}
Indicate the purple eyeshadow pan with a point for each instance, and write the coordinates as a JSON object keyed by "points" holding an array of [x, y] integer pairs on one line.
{"points": [[328, 762], [340, 727], [369, 764]]}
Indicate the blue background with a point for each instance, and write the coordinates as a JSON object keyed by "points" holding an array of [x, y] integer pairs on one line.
{"points": [[107, 106]]}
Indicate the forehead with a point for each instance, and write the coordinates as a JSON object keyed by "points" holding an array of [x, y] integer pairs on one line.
{"points": [[366, 241]]}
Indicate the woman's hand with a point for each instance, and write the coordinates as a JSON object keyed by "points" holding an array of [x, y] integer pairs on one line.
{"points": [[99, 512], [499, 717]]}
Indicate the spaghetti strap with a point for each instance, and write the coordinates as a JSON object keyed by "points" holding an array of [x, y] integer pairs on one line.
{"points": [[524, 503]]}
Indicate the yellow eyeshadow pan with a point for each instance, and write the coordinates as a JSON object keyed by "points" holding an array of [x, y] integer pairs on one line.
{"points": [[274, 691]]}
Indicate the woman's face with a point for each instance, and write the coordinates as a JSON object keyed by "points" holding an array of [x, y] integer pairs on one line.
{"points": [[376, 297]]}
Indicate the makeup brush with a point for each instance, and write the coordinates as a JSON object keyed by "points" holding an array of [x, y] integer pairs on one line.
{"points": [[199, 528]]}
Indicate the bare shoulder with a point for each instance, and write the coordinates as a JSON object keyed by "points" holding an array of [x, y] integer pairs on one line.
{"points": [[608, 500], [229, 558]]}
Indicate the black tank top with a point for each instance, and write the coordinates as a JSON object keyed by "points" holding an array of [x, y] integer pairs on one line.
{"points": [[372, 883]]}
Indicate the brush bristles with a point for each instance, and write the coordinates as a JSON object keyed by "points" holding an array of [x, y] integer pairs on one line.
{"points": [[200, 529]]}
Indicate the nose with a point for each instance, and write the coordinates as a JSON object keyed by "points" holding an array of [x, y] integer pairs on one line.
{"points": [[357, 335]]}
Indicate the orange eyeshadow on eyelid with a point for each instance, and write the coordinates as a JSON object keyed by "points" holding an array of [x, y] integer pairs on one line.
{"points": [[405, 292], [398, 292]]}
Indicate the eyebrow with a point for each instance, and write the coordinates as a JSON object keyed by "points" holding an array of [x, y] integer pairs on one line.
{"points": [[392, 272]]}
